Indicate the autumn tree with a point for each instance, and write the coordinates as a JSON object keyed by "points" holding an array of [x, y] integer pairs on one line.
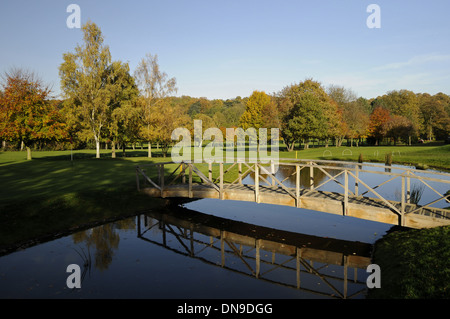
{"points": [[398, 127], [377, 119], [154, 86], [253, 114], [85, 83], [26, 113], [403, 103], [354, 118]]}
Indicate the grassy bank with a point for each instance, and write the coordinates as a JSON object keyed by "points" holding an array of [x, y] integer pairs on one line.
{"points": [[415, 264]]}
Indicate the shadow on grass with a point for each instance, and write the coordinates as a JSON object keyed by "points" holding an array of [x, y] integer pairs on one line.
{"points": [[50, 176]]}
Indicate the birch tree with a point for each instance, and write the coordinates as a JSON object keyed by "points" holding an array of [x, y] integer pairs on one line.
{"points": [[84, 82], [154, 86]]}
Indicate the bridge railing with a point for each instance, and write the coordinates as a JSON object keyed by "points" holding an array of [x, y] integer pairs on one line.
{"points": [[347, 175]]}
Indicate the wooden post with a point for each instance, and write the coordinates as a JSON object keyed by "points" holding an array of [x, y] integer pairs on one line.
{"points": [[356, 179], [256, 183], [210, 171], [190, 180], [183, 173], [408, 188], [240, 173], [272, 172], [221, 181], [311, 176], [346, 193], [297, 185]]}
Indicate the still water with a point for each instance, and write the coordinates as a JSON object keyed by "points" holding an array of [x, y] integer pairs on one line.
{"points": [[182, 256], [204, 249]]}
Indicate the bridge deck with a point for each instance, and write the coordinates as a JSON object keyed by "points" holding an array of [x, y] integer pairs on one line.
{"points": [[358, 206]]}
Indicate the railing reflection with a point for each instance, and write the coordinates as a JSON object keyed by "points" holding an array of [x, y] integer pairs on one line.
{"points": [[328, 267]]}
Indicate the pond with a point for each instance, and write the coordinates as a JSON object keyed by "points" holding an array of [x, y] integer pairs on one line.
{"points": [[203, 249]]}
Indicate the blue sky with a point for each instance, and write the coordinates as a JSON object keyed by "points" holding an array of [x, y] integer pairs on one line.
{"points": [[223, 49]]}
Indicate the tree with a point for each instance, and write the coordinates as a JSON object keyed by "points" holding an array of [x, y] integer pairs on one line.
{"points": [[398, 127], [123, 125], [154, 86], [165, 122], [85, 82], [26, 114], [434, 114], [354, 118], [253, 114], [377, 119], [311, 113], [404, 103]]}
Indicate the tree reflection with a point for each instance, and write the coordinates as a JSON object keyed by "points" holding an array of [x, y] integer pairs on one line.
{"points": [[104, 240]]}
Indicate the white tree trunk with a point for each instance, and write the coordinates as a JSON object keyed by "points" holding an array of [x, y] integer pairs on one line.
{"points": [[28, 153], [113, 149], [97, 146]]}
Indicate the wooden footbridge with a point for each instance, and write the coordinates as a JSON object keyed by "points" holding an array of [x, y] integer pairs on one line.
{"points": [[302, 184]]}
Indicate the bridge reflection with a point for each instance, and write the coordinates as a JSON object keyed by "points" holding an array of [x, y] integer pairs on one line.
{"points": [[326, 267]]}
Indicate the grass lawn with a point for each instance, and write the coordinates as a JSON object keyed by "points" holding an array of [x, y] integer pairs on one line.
{"points": [[414, 264], [52, 194]]}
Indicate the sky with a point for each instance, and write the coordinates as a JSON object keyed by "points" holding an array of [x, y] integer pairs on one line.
{"points": [[224, 49]]}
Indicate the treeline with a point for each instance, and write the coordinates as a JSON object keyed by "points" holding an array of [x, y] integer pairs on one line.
{"points": [[104, 103]]}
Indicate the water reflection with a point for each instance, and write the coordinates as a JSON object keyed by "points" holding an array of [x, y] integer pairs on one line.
{"points": [[320, 266], [180, 253], [103, 240]]}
